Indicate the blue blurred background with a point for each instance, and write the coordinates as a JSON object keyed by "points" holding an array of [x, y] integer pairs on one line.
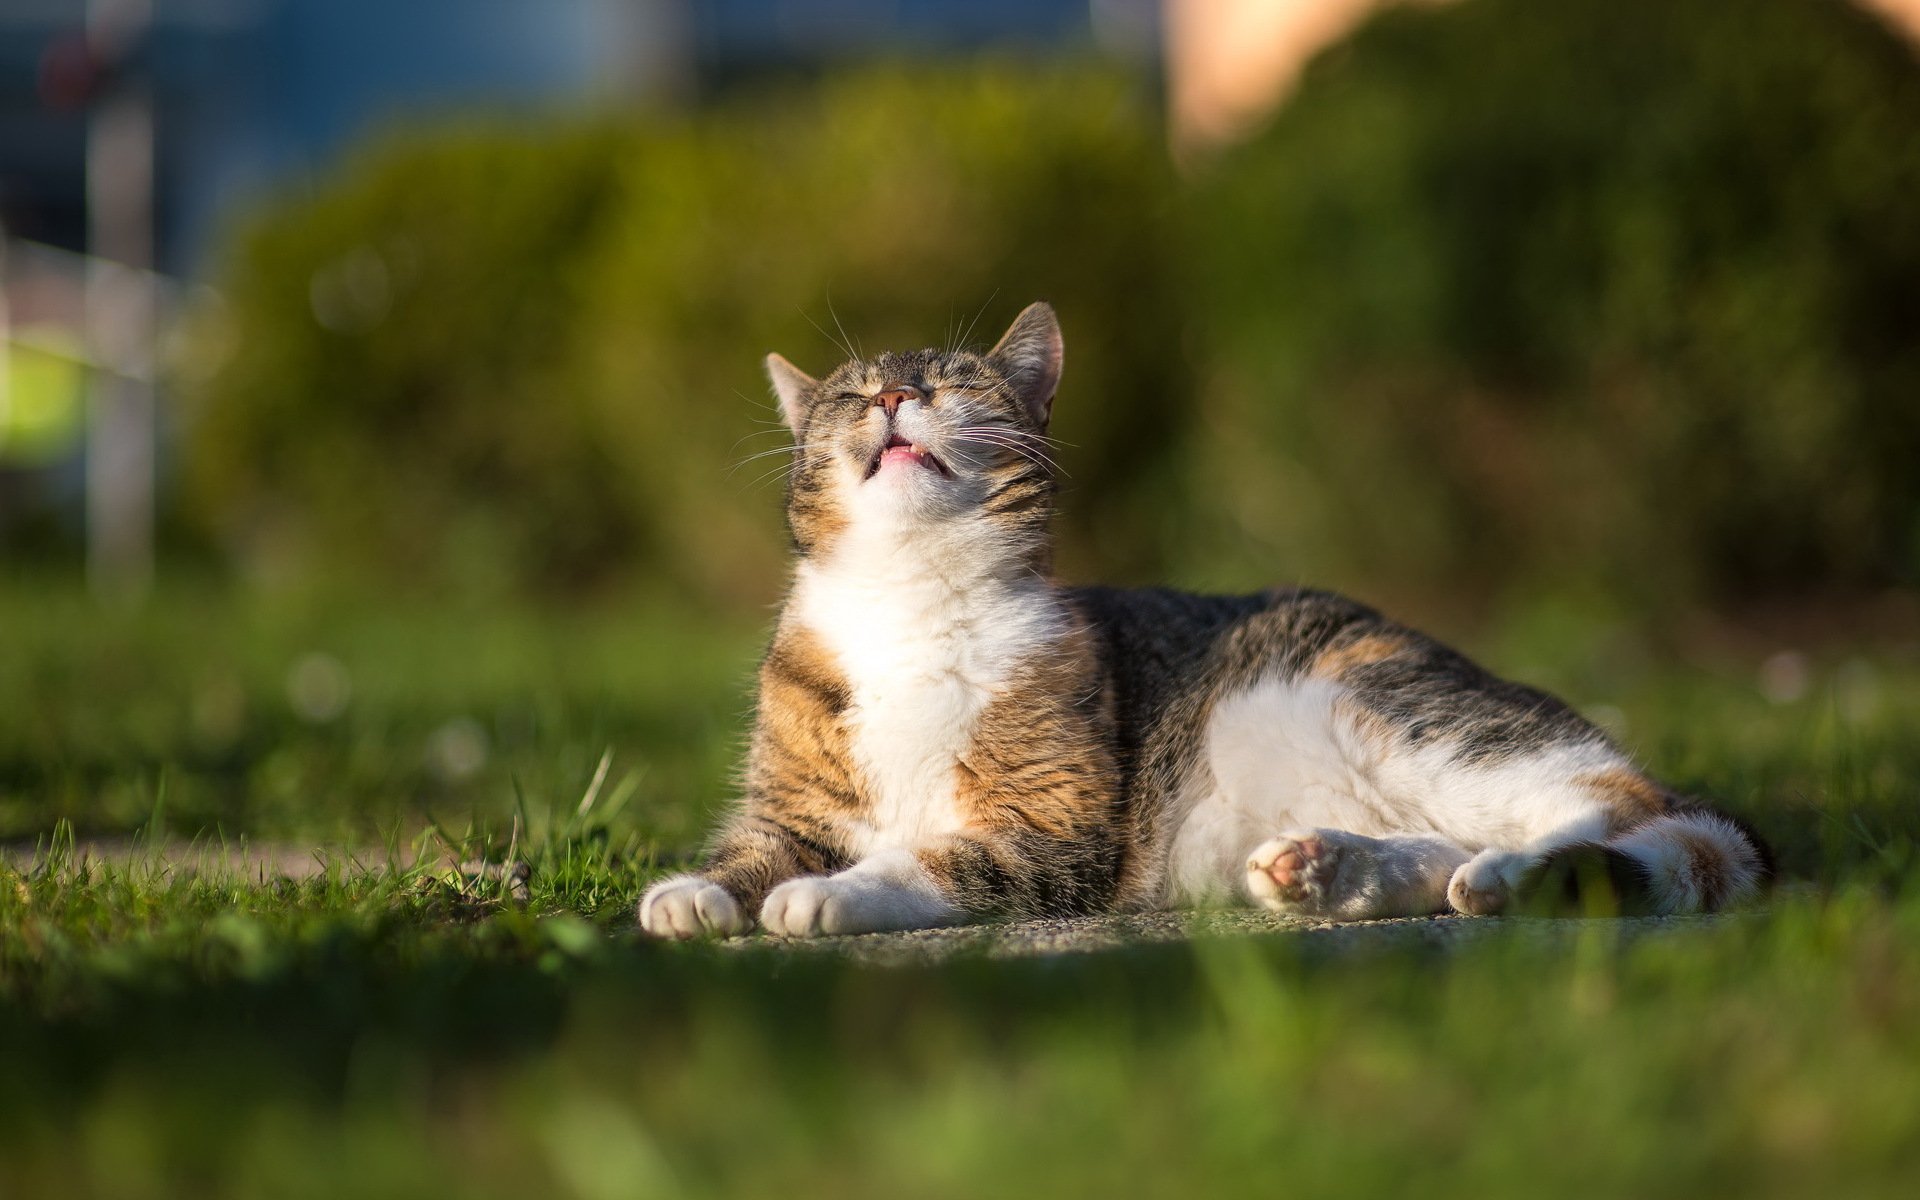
{"points": [[1477, 307], [252, 93]]}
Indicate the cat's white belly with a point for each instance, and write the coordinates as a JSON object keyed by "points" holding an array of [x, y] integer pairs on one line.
{"points": [[1283, 755], [907, 740], [1277, 756], [924, 651]]}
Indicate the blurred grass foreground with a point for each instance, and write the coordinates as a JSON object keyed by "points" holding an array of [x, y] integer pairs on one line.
{"points": [[1582, 331]]}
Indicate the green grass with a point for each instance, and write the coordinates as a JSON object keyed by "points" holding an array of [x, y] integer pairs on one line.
{"points": [[343, 722], [393, 1027]]}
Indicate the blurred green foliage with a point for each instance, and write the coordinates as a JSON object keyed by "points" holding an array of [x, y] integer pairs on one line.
{"points": [[533, 358], [337, 1037], [1617, 296], [1594, 296]]}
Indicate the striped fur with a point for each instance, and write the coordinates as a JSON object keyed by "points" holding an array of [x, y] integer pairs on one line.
{"points": [[944, 734]]}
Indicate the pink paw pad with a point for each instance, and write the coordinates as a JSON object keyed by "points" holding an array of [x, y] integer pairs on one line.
{"points": [[1290, 870]]}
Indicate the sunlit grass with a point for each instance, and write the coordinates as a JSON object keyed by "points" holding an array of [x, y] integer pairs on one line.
{"points": [[403, 1019]]}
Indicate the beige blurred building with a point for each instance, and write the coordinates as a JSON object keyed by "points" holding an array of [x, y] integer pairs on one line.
{"points": [[1231, 62]]}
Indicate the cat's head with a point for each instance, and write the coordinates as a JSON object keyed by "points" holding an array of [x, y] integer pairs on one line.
{"points": [[925, 440]]}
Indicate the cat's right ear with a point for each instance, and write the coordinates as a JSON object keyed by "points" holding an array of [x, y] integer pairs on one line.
{"points": [[793, 386], [1029, 356]]}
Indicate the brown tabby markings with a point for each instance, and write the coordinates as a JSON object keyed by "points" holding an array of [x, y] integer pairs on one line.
{"points": [[1629, 796], [1374, 730], [1337, 660], [800, 764], [814, 513], [1039, 788], [1709, 867]]}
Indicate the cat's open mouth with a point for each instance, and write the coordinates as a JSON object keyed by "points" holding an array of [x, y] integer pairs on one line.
{"points": [[898, 451]]}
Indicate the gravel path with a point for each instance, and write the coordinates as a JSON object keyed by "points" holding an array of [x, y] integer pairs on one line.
{"points": [[1022, 939]]}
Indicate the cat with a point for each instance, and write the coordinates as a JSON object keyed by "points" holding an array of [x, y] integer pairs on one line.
{"points": [[944, 734]]}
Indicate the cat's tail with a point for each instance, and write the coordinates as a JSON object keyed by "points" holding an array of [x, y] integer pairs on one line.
{"points": [[1690, 859]]}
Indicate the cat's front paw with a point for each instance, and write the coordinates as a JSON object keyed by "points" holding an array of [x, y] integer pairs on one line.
{"points": [[1485, 884], [688, 906], [851, 902], [798, 908], [1294, 873]]}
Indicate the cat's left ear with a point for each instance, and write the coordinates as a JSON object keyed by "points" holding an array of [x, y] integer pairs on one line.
{"points": [[793, 386], [1029, 355]]}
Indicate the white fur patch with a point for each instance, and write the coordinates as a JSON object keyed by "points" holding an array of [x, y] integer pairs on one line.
{"points": [[1285, 754], [1486, 883], [927, 634]]}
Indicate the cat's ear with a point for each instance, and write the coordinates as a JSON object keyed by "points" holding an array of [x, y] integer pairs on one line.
{"points": [[1029, 356], [792, 385]]}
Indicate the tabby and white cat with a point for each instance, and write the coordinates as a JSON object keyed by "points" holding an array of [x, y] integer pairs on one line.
{"points": [[946, 734]]}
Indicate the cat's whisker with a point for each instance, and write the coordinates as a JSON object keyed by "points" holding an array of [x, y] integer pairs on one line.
{"points": [[758, 433], [764, 475], [788, 450], [857, 352], [1051, 441], [1009, 431], [1034, 453], [1029, 457], [1010, 439], [1031, 435], [959, 452], [836, 343], [980, 312], [780, 472], [760, 402], [761, 481]]}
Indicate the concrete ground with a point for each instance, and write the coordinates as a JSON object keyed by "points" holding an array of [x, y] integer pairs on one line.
{"points": [[1084, 935]]}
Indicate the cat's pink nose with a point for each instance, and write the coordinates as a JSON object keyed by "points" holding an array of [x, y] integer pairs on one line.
{"points": [[893, 398]]}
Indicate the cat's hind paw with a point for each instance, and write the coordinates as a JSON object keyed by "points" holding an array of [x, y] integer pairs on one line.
{"points": [[687, 906], [1485, 884], [1295, 873]]}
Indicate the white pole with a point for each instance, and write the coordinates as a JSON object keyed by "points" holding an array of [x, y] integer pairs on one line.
{"points": [[6, 342], [120, 316]]}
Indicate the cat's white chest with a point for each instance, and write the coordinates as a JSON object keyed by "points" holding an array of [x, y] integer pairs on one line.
{"points": [[924, 653]]}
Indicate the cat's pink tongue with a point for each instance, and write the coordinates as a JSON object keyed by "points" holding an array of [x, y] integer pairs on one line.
{"points": [[905, 455]]}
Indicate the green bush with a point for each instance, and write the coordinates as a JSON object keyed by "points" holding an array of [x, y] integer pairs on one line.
{"points": [[386, 399], [1592, 295], [533, 358]]}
